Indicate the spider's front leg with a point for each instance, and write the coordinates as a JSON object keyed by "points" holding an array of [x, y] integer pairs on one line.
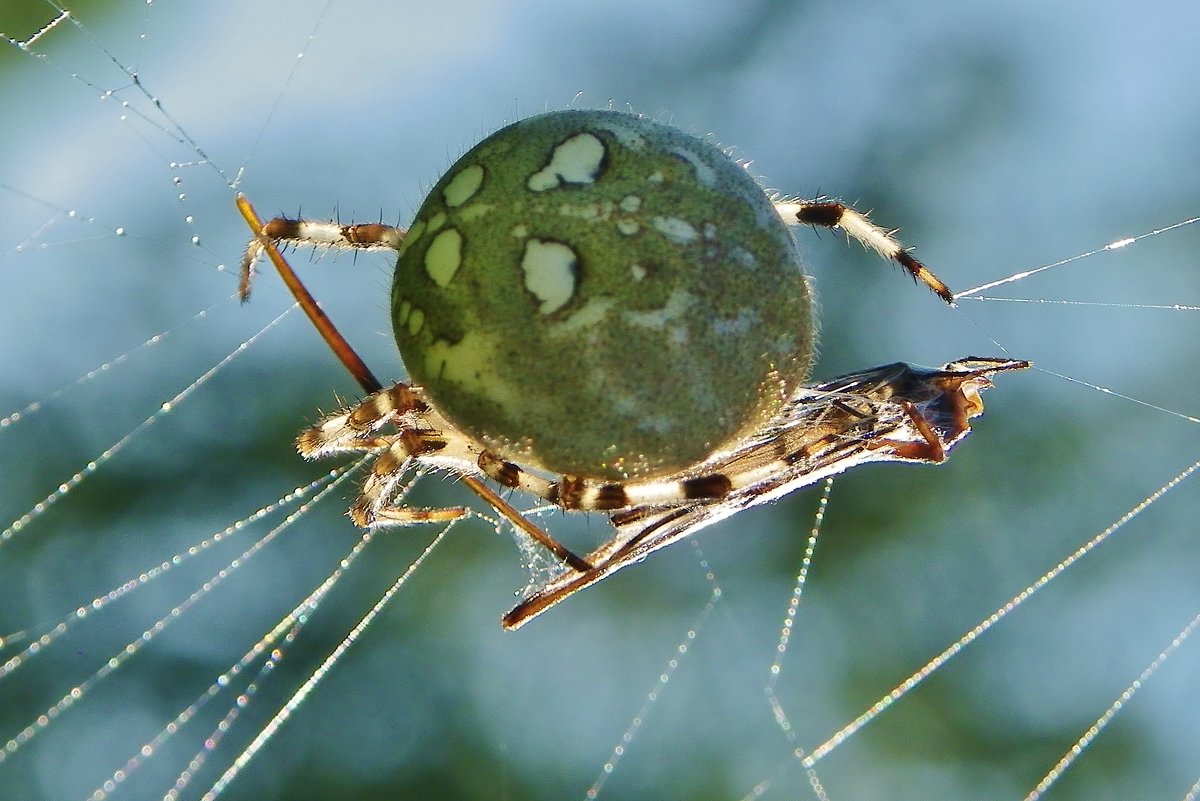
{"points": [[833, 214], [284, 231]]}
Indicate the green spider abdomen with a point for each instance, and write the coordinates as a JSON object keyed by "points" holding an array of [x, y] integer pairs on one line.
{"points": [[597, 294]]}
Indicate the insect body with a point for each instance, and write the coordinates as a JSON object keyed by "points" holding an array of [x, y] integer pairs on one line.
{"points": [[607, 313]]}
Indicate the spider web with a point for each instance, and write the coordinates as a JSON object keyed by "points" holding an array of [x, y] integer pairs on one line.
{"points": [[163, 482]]}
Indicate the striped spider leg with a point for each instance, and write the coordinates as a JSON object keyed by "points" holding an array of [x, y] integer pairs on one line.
{"points": [[827, 213], [601, 311]]}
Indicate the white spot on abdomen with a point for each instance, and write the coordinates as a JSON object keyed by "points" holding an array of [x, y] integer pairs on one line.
{"points": [[444, 256], [549, 269], [463, 185], [678, 231], [574, 161], [676, 308], [705, 174]]}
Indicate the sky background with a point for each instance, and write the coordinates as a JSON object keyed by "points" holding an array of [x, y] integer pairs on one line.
{"points": [[999, 139]]}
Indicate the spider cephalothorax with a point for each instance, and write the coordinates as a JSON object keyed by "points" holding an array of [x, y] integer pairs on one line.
{"points": [[610, 314]]}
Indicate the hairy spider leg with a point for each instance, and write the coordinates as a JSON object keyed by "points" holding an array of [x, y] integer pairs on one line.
{"points": [[333, 338], [856, 225]]}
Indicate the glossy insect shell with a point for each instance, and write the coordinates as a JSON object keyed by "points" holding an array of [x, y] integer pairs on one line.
{"points": [[602, 295]]}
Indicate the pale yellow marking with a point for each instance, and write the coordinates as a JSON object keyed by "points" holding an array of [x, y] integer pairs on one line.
{"points": [[675, 308], [744, 257], [472, 364], [549, 269], [637, 271], [475, 211], [437, 221], [463, 185], [403, 312], [628, 227], [444, 257], [631, 203], [678, 231], [705, 174], [591, 315], [591, 212], [575, 161], [660, 425], [631, 406], [416, 321], [520, 231], [629, 137], [745, 320]]}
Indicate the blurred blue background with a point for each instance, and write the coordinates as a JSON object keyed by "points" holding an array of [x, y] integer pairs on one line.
{"points": [[999, 137]]}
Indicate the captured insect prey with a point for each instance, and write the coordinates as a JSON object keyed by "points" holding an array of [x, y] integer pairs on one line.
{"points": [[603, 312]]}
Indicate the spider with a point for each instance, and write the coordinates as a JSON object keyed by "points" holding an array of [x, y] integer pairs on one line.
{"points": [[604, 312]]}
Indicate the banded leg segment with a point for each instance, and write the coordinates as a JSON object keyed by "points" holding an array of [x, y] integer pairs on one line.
{"points": [[351, 429], [570, 492], [418, 435], [283, 231], [374, 505], [856, 225]]}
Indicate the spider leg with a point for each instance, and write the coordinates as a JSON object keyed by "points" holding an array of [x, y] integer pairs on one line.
{"points": [[570, 492], [832, 214], [325, 327], [284, 231], [350, 429], [419, 436], [708, 484], [830, 432], [373, 507]]}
